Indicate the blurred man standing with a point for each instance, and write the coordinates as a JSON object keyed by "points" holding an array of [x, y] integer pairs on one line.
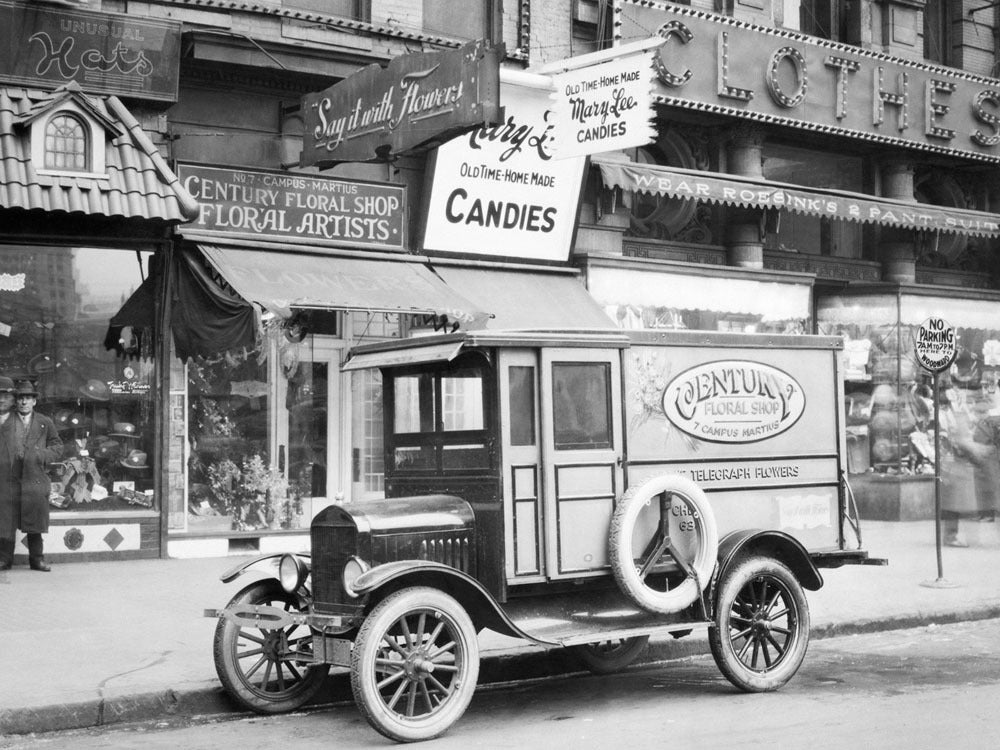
{"points": [[29, 443], [8, 523]]}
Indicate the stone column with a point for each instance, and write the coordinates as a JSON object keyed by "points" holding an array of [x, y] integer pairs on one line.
{"points": [[898, 246], [744, 237]]}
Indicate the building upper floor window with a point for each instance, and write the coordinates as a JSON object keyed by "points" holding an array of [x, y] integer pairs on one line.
{"points": [[67, 144], [475, 20], [937, 31]]}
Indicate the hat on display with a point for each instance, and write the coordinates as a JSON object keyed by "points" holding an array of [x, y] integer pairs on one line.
{"points": [[123, 429], [25, 388], [6, 384], [97, 390], [62, 419], [105, 448], [41, 363], [134, 460]]}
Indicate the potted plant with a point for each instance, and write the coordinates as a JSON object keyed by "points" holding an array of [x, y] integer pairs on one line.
{"points": [[249, 491]]}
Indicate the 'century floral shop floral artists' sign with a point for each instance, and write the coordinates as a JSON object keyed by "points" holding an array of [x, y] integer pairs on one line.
{"points": [[296, 207]]}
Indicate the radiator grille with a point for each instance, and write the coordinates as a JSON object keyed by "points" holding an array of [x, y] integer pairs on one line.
{"points": [[331, 548]]}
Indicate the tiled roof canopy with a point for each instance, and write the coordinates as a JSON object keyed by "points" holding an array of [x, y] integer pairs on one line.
{"points": [[139, 183]]}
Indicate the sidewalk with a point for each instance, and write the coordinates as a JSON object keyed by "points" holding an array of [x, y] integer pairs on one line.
{"points": [[100, 643]]}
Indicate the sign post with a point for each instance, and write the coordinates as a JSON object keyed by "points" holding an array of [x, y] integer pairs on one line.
{"points": [[935, 349]]}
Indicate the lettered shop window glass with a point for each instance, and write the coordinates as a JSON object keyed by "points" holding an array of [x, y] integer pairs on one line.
{"points": [[813, 234], [581, 394]]}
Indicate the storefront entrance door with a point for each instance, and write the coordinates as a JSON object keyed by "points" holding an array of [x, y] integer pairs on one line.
{"points": [[308, 428]]}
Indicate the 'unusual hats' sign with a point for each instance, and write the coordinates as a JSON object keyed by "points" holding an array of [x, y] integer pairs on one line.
{"points": [[415, 102]]}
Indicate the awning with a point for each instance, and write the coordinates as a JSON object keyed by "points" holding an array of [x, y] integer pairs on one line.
{"points": [[834, 204], [437, 353], [521, 300], [774, 301], [278, 281], [135, 322], [909, 309]]}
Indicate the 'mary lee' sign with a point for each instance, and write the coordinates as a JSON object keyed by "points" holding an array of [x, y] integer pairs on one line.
{"points": [[718, 64]]}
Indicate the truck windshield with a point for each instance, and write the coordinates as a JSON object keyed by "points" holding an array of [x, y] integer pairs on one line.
{"points": [[439, 419]]}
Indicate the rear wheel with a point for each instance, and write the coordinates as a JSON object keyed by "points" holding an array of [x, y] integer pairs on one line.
{"points": [[415, 664], [762, 625], [266, 669], [608, 657]]}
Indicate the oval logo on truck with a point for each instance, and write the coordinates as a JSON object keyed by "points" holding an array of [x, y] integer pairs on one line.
{"points": [[733, 401]]}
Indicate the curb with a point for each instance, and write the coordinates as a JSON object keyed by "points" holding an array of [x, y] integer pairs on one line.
{"points": [[496, 668]]}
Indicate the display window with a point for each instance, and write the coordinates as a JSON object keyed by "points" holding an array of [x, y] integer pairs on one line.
{"points": [[55, 307], [265, 428], [889, 398]]}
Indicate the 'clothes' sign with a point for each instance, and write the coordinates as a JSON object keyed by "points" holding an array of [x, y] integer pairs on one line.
{"points": [[498, 191], [718, 64]]}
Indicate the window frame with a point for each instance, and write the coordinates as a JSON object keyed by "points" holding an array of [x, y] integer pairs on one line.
{"points": [[95, 136]]}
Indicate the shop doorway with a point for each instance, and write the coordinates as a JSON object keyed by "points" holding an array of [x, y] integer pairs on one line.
{"points": [[307, 433]]}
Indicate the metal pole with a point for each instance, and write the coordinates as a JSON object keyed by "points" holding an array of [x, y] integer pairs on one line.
{"points": [[937, 478]]}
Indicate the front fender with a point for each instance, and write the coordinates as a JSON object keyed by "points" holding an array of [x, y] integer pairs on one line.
{"points": [[265, 563], [484, 610]]}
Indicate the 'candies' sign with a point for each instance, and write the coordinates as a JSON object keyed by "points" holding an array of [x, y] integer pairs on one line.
{"points": [[733, 401]]}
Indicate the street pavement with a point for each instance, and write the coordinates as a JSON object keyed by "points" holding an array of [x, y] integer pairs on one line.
{"points": [[91, 644]]}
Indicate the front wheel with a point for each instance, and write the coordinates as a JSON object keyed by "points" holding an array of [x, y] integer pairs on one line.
{"points": [[415, 664], [266, 670], [608, 657], [761, 625]]}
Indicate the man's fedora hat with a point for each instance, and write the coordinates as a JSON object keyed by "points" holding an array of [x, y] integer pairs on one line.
{"points": [[96, 389], [124, 429], [25, 388], [6, 384]]}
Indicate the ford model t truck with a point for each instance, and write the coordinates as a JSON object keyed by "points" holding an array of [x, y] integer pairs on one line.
{"points": [[578, 489]]}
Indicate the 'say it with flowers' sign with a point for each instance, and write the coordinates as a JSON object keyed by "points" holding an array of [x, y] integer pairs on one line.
{"points": [[416, 101], [733, 401]]}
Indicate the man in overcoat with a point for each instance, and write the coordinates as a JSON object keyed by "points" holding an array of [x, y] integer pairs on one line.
{"points": [[8, 524], [29, 444]]}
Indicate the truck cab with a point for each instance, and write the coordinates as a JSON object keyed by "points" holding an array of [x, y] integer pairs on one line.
{"points": [[581, 489]]}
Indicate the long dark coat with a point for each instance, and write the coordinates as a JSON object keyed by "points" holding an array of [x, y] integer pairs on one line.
{"points": [[24, 504]]}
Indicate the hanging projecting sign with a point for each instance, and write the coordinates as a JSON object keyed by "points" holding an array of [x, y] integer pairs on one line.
{"points": [[415, 102], [105, 53], [498, 191], [935, 345], [604, 107]]}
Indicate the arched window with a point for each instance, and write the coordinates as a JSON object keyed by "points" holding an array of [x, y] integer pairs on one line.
{"points": [[67, 144]]}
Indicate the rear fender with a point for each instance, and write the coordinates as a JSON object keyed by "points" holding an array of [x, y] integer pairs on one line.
{"points": [[484, 610], [262, 564], [774, 544]]}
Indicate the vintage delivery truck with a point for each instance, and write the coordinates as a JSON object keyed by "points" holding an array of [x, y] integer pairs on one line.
{"points": [[580, 489]]}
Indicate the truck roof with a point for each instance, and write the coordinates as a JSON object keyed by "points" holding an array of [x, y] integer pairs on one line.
{"points": [[446, 346]]}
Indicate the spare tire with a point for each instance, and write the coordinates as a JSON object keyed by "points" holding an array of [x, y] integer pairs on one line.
{"points": [[640, 538]]}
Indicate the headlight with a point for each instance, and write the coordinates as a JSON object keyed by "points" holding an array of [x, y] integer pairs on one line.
{"points": [[353, 569], [291, 573]]}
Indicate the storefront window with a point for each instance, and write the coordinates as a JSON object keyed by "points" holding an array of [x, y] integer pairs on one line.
{"points": [[805, 233], [231, 482], [889, 397], [55, 307]]}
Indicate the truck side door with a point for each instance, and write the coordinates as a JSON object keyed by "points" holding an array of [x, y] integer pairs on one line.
{"points": [[581, 443]]}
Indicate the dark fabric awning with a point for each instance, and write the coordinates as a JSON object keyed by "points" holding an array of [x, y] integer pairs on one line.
{"points": [[524, 300], [713, 187], [206, 316], [134, 325], [278, 281]]}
